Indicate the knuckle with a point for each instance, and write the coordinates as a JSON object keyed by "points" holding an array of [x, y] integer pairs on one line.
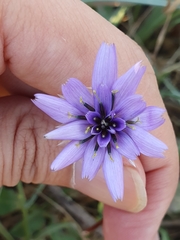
{"points": [[23, 153], [31, 150], [24, 148]]}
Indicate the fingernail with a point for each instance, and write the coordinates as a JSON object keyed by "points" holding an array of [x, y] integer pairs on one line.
{"points": [[134, 199], [140, 190]]}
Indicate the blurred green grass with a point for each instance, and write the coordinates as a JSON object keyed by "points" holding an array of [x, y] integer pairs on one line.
{"points": [[26, 211]]}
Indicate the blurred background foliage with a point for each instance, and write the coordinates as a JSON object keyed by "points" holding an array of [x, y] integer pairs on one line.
{"points": [[35, 212]]}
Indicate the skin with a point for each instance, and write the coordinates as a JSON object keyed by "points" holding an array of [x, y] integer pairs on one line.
{"points": [[42, 44]]}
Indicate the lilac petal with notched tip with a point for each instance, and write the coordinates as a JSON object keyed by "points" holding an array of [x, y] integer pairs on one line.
{"points": [[150, 118], [128, 83], [57, 108], [130, 107], [75, 92], [103, 96], [146, 143], [93, 117], [103, 141], [76, 130], [126, 146], [70, 154], [92, 163], [113, 173], [105, 68]]}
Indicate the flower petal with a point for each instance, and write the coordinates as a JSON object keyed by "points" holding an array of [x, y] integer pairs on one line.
{"points": [[96, 130], [105, 68], [103, 138], [76, 93], [103, 100], [70, 154], [76, 130], [150, 118], [111, 130], [93, 117], [57, 108], [118, 124], [130, 107], [146, 143], [126, 147], [128, 83], [113, 173], [92, 161]]}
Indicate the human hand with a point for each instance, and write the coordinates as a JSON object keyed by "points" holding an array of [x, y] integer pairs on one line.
{"points": [[42, 45]]}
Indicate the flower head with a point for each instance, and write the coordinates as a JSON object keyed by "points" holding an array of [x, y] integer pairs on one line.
{"points": [[104, 124]]}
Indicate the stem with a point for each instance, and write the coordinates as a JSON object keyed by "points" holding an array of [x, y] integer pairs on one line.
{"points": [[34, 197], [22, 199], [5, 233]]}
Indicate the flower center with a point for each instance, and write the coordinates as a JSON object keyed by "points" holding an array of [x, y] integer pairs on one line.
{"points": [[100, 125], [103, 125]]}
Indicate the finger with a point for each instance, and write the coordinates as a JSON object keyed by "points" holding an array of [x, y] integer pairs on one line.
{"points": [[51, 51], [161, 182], [25, 155], [147, 222], [15, 86]]}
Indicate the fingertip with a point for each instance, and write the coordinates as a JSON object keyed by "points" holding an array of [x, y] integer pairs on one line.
{"points": [[135, 197]]}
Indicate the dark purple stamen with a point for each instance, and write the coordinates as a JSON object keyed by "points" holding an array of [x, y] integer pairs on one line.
{"points": [[114, 138], [96, 147], [130, 122], [113, 99], [109, 148], [102, 110], [89, 107], [81, 117], [86, 139]]}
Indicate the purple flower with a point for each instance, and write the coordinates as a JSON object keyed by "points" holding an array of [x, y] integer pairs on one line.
{"points": [[104, 124]]}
